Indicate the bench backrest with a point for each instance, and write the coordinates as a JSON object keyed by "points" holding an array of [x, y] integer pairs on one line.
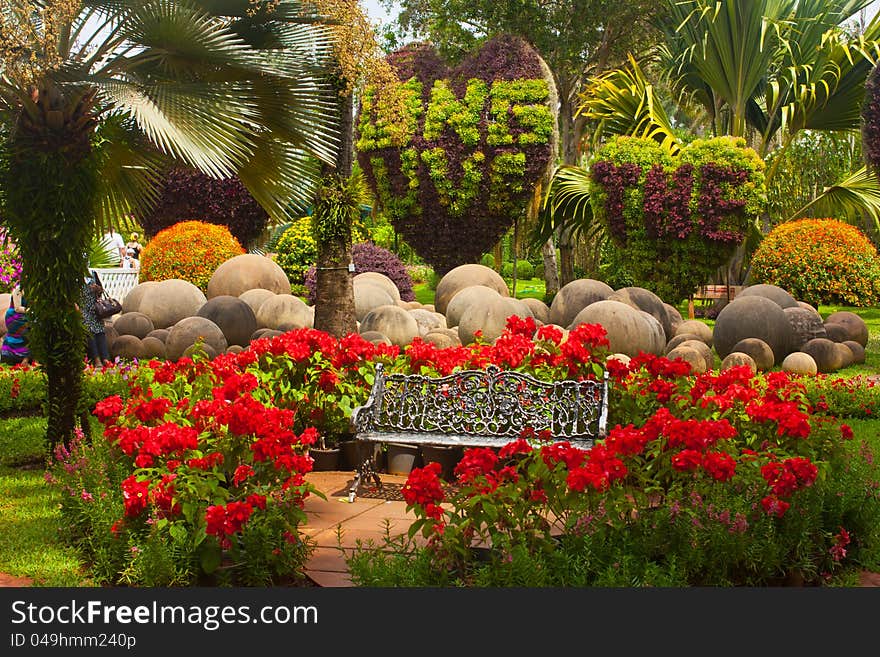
{"points": [[490, 402]]}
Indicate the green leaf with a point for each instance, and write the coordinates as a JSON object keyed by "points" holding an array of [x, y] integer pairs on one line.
{"points": [[210, 557]]}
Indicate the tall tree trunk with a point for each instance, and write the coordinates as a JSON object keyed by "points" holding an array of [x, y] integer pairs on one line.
{"points": [[568, 137], [551, 274]]}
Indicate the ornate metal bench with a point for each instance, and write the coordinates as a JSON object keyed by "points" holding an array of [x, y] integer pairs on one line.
{"points": [[475, 408]]}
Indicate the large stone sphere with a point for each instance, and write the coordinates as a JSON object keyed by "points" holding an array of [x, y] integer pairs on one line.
{"points": [[234, 317], [857, 350], [806, 306], [132, 300], [473, 295], [110, 334], [628, 331], [464, 276], [128, 347], [246, 272], [185, 333], [490, 318], [427, 320], [643, 299], [798, 362], [658, 342], [133, 323], [255, 298], [703, 349], [752, 317], [824, 352], [689, 355], [169, 301], [855, 325], [283, 309], [369, 295], [773, 292], [392, 321], [160, 334], [760, 351], [805, 325], [153, 348], [234, 349], [673, 317], [540, 310], [574, 297], [836, 332], [265, 333], [737, 359], [380, 279], [203, 348], [846, 354], [696, 327], [678, 339]]}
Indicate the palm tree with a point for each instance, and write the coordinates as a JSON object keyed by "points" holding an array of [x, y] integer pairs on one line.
{"points": [[96, 96]]}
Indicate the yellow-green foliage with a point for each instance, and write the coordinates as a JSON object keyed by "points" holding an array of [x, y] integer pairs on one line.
{"points": [[297, 250]]}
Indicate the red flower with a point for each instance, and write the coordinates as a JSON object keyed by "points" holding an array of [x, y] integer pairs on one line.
{"points": [[520, 446], [107, 410], [242, 472], [846, 432], [152, 409], [423, 488], [476, 462], [135, 495], [773, 506], [719, 466], [687, 460]]}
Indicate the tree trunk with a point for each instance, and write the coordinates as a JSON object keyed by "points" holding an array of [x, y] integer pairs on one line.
{"points": [[568, 138], [551, 274]]}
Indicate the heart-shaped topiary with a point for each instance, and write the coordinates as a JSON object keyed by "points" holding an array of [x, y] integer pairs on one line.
{"points": [[474, 144]]}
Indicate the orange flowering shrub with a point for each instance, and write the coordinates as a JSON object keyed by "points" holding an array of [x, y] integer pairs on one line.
{"points": [[820, 261], [190, 250]]}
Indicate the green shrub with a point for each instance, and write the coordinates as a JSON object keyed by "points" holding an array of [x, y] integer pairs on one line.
{"points": [[488, 260], [297, 250], [524, 270]]}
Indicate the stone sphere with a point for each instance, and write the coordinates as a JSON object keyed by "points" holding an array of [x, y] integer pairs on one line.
{"points": [[265, 333], [673, 317], [464, 276], [643, 299], [153, 348], [574, 297], [234, 349], [655, 328], [394, 322], [375, 337], [409, 305], [442, 340], [204, 348], [857, 350], [379, 279], [805, 325], [691, 356], [368, 296], [169, 301], [773, 292], [752, 317], [490, 318], [678, 339], [759, 350], [798, 362], [427, 320], [856, 328], [846, 354], [160, 334], [836, 332], [737, 359], [540, 310], [245, 272], [628, 331], [623, 359], [284, 309], [824, 353], [473, 295], [696, 327], [703, 349], [806, 306], [185, 333], [127, 347], [255, 298], [133, 323], [110, 334], [132, 300], [234, 317]]}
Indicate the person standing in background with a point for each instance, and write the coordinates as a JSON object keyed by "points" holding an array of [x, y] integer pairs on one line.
{"points": [[96, 345], [15, 347], [133, 250], [113, 241]]}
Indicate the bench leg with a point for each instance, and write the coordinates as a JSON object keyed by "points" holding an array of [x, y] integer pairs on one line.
{"points": [[365, 472]]}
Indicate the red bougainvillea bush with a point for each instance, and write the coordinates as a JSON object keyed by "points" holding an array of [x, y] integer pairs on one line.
{"points": [[199, 476]]}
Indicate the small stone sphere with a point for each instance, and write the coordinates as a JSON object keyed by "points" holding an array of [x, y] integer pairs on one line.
{"points": [[393, 322], [461, 302], [855, 325], [375, 337], [673, 317], [409, 305], [234, 349], [773, 292], [696, 327], [691, 356], [703, 349], [247, 272], [465, 276], [255, 298], [133, 323], [846, 355], [188, 330], [489, 318], [234, 317], [132, 300], [153, 348], [805, 325], [825, 354], [368, 296], [283, 309], [540, 310], [628, 331], [573, 297], [836, 332], [678, 339], [127, 347], [857, 350], [752, 317], [623, 359], [737, 359], [110, 334], [806, 306], [265, 333], [379, 279], [204, 348], [799, 362], [161, 334], [427, 320], [169, 301], [759, 350]]}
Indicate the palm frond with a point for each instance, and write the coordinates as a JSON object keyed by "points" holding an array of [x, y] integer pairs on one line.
{"points": [[857, 195], [566, 206]]}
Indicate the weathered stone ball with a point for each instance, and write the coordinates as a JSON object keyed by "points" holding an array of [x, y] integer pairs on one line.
{"points": [[169, 301], [760, 351], [283, 309], [409, 305], [133, 323], [857, 350], [368, 296], [573, 297], [204, 348], [673, 317], [392, 321], [375, 337], [489, 318], [655, 329], [737, 359], [824, 353], [773, 292], [255, 298], [246, 272], [678, 339], [836, 332], [234, 349], [805, 325], [846, 354], [696, 327], [628, 331], [185, 333], [153, 348], [234, 317], [689, 355], [464, 276], [110, 334], [799, 362], [703, 349], [427, 320], [441, 340], [132, 300], [430, 307], [473, 295], [806, 306], [643, 299], [379, 279], [540, 310], [127, 347], [857, 330], [265, 333], [752, 317]]}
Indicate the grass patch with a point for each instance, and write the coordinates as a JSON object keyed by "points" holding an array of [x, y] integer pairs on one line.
{"points": [[533, 288], [22, 441]]}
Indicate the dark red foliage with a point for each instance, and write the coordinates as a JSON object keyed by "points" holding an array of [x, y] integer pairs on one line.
{"points": [[614, 181], [370, 257], [871, 120]]}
